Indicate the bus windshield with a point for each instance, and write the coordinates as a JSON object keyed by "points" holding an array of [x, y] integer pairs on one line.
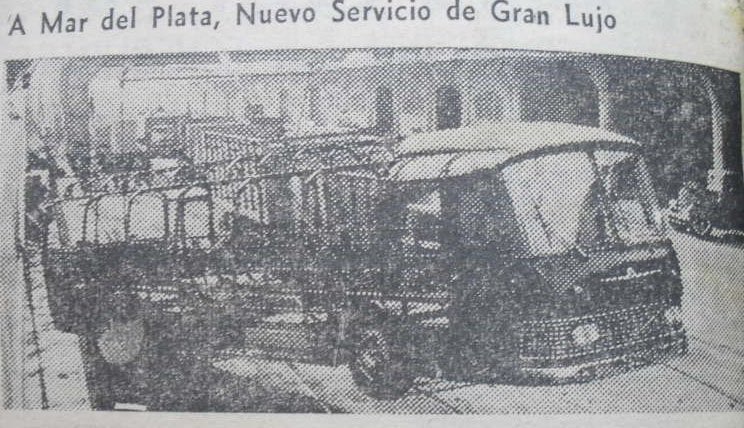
{"points": [[582, 199]]}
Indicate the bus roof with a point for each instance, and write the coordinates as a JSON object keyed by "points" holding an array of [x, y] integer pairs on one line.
{"points": [[460, 151]]}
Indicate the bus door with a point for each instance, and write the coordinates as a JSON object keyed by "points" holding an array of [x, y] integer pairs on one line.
{"points": [[421, 236], [416, 275]]}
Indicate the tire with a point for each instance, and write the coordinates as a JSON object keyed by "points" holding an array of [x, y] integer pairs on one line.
{"points": [[105, 381], [122, 342], [110, 357], [377, 368]]}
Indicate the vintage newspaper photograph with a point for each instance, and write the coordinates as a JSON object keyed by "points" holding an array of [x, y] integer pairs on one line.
{"points": [[395, 231]]}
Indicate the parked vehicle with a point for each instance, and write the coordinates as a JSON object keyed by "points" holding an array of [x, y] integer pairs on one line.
{"points": [[700, 211], [511, 252]]}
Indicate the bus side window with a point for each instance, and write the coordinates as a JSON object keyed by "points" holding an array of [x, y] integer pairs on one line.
{"points": [[196, 219], [147, 217], [196, 216], [110, 218], [630, 196]]}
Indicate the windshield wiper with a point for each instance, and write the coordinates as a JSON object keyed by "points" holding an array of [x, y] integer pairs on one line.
{"points": [[552, 237], [541, 219]]}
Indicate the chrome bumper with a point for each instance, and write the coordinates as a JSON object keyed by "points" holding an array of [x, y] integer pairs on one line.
{"points": [[609, 361]]}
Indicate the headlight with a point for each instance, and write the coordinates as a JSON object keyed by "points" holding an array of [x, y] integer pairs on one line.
{"points": [[673, 315], [585, 334]]}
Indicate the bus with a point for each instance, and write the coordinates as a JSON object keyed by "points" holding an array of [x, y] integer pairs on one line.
{"points": [[546, 247]]}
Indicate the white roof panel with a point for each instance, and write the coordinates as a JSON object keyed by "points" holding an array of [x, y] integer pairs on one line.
{"points": [[462, 151], [515, 137]]}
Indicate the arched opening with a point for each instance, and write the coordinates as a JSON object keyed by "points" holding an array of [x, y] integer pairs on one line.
{"points": [[448, 108]]}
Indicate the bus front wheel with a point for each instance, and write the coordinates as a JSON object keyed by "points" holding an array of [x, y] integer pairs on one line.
{"points": [[378, 368]]}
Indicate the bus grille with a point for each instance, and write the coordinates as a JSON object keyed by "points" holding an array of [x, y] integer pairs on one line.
{"points": [[552, 341]]}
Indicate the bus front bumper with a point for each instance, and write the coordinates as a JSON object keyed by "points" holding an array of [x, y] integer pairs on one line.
{"points": [[605, 361]]}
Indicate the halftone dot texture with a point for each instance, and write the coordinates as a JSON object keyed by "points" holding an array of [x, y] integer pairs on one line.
{"points": [[238, 231]]}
